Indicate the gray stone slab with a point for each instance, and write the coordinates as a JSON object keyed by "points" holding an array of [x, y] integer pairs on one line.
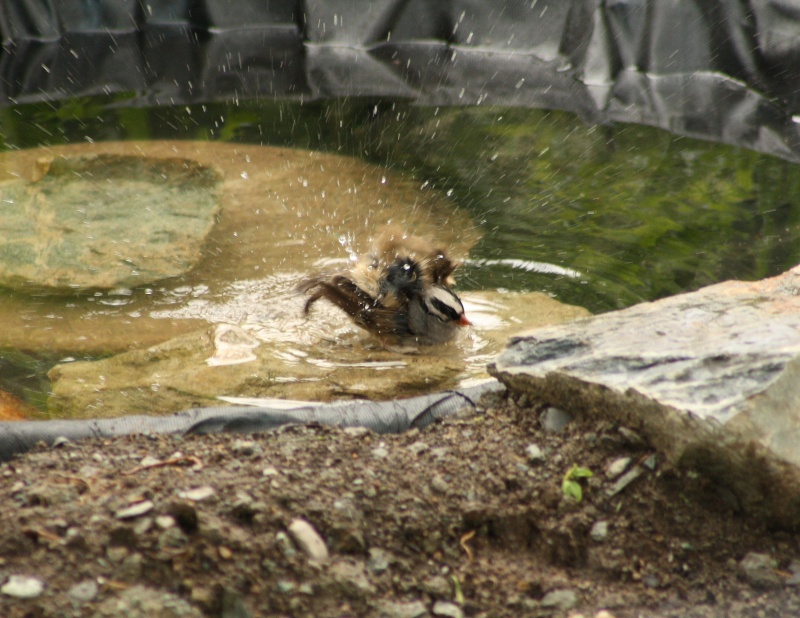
{"points": [[710, 378]]}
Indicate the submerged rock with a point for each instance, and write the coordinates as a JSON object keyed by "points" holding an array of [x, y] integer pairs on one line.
{"points": [[104, 221], [289, 357], [710, 378]]}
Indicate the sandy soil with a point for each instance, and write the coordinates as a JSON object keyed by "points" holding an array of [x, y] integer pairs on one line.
{"points": [[465, 518]]}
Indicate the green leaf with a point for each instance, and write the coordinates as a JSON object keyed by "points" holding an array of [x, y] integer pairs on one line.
{"points": [[458, 594], [577, 472], [581, 473], [572, 489]]}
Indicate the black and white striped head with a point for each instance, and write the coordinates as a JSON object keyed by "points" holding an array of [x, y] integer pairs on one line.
{"points": [[403, 278], [442, 303]]}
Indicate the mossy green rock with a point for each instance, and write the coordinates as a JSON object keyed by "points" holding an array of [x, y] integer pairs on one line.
{"points": [[104, 221]]}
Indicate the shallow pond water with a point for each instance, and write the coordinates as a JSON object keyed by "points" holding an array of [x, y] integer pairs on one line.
{"points": [[533, 201]]}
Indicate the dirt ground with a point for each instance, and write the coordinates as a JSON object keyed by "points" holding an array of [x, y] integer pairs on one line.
{"points": [[464, 518]]}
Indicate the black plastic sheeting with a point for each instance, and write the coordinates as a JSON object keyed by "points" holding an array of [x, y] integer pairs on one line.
{"points": [[380, 416], [726, 70]]}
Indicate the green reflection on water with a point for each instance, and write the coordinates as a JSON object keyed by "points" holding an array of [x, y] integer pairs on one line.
{"points": [[642, 213], [639, 212]]}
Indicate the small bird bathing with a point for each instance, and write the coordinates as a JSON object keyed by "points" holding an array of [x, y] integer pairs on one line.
{"points": [[400, 292]]}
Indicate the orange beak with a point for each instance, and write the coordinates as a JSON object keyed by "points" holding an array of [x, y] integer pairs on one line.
{"points": [[463, 321]]}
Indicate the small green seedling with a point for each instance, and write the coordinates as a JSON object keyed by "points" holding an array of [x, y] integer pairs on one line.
{"points": [[570, 485], [458, 594]]}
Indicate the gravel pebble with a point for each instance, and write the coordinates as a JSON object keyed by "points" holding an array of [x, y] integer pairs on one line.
{"points": [[759, 571], [380, 452], [357, 432], [617, 467], [445, 608], [439, 485], [379, 560], [309, 540], [560, 599], [198, 493], [246, 448], [135, 510], [534, 453], [599, 531], [412, 609], [626, 479], [22, 587], [554, 420], [84, 591], [417, 447], [350, 579], [142, 602], [437, 586]]}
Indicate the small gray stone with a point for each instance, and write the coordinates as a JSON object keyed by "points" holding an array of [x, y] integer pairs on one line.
{"points": [[116, 554], [412, 609], [309, 540], [356, 432], [555, 420], [560, 599], [631, 437], [617, 467], [84, 591], [285, 587], [445, 608], [794, 569], [130, 570], [599, 531], [141, 602], [380, 452], [135, 510], [285, 544], [379, 560], [534, 454], [233, 605], [437, 586], [439, 485], [197, 494], [246, 448], [759, 571], [22, 587], [417, 447], [626, 479], [172, 538], [650, 462], [141, 526], [205, 598], [165, 521], [350, 579]]}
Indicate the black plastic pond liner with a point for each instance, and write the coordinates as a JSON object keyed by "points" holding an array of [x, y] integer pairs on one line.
{"points": [[725, 70], [380, 416]]}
